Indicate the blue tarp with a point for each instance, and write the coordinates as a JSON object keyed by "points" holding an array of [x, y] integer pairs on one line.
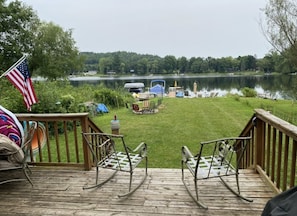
{"points": [[157, 89], [179, 94], [101, 108]]}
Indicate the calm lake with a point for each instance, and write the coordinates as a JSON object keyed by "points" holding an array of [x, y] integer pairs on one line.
{"points": [[272, 86]]}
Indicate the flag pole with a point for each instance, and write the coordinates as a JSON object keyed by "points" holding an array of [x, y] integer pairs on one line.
{"points": [[6, 72]]}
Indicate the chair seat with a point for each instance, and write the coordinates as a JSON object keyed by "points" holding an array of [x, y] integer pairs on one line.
{"points": [[210, 167], [120, 161]]}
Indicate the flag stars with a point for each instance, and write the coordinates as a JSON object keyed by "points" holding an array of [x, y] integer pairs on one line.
{"points": [[23, 68]]}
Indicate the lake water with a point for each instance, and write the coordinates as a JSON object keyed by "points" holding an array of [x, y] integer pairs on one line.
{"points": [[272, 86]]}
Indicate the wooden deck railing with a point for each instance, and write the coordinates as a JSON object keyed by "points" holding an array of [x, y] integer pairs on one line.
{"points": [[272, 151], [64, 145]]}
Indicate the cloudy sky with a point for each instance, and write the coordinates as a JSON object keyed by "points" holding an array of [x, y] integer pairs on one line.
{"points": [[190, 28]]}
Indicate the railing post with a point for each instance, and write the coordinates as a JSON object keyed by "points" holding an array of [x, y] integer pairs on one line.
{"points": [[87, 158], [260, 142]]}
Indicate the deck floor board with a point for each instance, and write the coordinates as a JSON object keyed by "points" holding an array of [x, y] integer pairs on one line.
{"points": [[60, 191]]}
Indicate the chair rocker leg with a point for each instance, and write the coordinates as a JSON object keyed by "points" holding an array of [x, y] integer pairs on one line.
{"points": [[234, 192], [19, 179], [27, 175], [101, 183], [136, 187], [11, 180], [196, 199]]}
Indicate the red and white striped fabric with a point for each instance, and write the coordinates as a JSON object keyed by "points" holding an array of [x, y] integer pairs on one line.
{"points": [[19, 76]]}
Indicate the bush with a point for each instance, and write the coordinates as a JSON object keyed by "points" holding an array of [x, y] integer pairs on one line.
{"points": [[62, 97], [109, 97], [248, 92]]}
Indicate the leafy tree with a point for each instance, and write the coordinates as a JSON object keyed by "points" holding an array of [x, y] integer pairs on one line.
{"points": [[154, 66], [105, 64], [116, 63], [198, 65], [281, 27], [227, 64], [54, 54], [266, 64], [170, 64], [142, 66], [18, 24], [247, 63], [122, 67], [182, 64], [212, 64], [90, 61]]}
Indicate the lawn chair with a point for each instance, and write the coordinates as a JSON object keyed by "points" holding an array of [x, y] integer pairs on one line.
{"points": [[13, 157], [105, 155], [224, 153], [136, 109]]}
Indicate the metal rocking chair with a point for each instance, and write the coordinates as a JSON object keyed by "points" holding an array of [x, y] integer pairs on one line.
{"points": [[225, 153], [105, 155], [13, 157]]}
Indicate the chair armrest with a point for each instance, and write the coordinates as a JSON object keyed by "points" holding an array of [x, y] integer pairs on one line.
{"points": [[223, 139], [186, 154], [141, 149]]}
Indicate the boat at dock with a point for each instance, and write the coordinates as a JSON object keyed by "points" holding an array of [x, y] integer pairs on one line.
{"points": [[136, 87], [157, 87]]}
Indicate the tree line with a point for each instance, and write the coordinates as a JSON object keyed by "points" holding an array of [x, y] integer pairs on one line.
{"points": [[122, 62]]}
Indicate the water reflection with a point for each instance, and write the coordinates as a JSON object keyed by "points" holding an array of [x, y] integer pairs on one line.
{"points": [[274, 86]]}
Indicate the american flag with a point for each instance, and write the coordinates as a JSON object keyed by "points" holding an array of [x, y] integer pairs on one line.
{"points": [[19, 76]]}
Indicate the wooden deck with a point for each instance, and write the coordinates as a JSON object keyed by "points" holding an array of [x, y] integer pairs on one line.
{"points": [[59, 191]]}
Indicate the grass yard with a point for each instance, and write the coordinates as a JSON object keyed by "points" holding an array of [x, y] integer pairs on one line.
{"points": [[182, 121]]}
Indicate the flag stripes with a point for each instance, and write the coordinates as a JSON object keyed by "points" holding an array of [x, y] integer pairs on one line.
{"points": [[19, 76]]}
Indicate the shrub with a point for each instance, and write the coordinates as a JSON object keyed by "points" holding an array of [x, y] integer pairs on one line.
{"points": [[62, 97], [109, 97], [248, 92]]}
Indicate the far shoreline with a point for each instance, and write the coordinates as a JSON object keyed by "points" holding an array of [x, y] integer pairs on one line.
{"points": [[159, 76]]}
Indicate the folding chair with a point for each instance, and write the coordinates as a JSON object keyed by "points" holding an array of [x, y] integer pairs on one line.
{"points": [[13, 157], [105, 155], [224, 153], [136, 109]]}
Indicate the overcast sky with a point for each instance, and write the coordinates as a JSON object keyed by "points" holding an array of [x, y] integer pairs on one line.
{"points": [[190, 28]]}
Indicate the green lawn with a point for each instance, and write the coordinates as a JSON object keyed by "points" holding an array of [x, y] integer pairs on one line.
{"points": [[182, 121]]}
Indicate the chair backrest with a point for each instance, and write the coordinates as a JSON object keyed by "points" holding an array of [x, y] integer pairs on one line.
{"points": [[222, 154], [101, 145], [226, 147], [146, 104]]}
